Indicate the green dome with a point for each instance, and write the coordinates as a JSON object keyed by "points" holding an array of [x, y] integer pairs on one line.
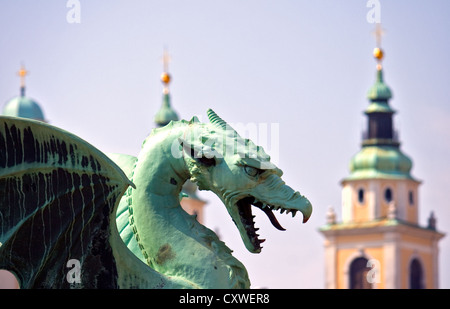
{"points": [[379, 107], [380, 162], [24, 107], [165, 113], [379, 91]]}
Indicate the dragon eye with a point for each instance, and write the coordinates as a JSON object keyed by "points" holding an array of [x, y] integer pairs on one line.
{"points": [[251, 171]]}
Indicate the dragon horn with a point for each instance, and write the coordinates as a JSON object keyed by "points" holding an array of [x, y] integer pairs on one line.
{"points": [[216, 120]]}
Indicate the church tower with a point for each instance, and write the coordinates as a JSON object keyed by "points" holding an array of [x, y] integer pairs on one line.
{"points": [[379, 243]]}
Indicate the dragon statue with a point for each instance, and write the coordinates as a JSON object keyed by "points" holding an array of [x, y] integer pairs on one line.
{"points": [[62, 200]]}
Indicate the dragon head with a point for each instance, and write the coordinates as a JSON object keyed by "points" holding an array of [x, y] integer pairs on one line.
{"points": [[241, 175]]}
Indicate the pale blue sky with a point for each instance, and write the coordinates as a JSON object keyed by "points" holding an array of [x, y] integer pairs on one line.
{"points": [[305, 65]]}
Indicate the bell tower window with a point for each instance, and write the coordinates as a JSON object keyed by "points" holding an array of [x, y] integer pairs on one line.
{"points": [[358, 274], [415, 275], [411, 198], [388, 196], [361, 196]]}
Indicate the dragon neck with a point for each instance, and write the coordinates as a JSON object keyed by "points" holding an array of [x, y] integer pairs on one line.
{"points": [[173, 242], [157, 194]]}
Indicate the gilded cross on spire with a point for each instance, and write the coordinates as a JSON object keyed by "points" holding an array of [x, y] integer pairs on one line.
{"points": [[379, 32], [378, 52], [165, 76], [166, 59], [22, 74]]}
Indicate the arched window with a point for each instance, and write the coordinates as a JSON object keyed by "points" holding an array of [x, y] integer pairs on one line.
{"points": [[358, 274], [388, 196], [411, 198], [416, 275], [361, 195]]}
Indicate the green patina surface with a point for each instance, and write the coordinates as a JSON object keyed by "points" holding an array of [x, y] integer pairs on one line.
{"points": [[380, 162], [62, 199], [379, 90], [165, 114], [379, 107], [23, 107]]}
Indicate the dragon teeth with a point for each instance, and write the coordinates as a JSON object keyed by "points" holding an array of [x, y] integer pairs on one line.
{"points": [[282, 210]]}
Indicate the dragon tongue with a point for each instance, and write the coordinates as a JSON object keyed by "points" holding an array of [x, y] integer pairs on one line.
{"points": [[273, 219]]}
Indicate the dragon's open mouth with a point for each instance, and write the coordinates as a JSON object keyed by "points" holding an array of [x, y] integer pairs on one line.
{"points": [[245, 212]]}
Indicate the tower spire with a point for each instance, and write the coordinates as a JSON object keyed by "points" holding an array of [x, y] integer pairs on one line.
{"points": [[380, 211], [22, 74], [165, 113], [165, 76], [380, 130]]}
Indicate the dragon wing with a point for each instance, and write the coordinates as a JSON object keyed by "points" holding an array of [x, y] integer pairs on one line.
{"points": [[58, 197]]}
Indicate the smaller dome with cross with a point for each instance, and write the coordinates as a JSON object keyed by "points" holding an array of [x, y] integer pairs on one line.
{"points": [[23, 106]]}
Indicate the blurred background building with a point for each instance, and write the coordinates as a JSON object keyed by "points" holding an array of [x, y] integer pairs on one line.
{"points": [[379, 242]]}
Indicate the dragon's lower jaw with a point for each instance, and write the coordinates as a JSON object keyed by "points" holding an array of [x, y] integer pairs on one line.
{"points": [[245, 212], [244, 207]]}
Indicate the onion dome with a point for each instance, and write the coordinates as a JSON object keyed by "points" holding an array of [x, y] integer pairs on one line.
{"points": [[380, 162]]}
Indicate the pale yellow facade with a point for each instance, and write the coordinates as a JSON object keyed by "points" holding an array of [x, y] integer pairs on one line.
{"points": [[380, 226], [345, 256], [404, 199], [379, 242], [389, 247]]}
